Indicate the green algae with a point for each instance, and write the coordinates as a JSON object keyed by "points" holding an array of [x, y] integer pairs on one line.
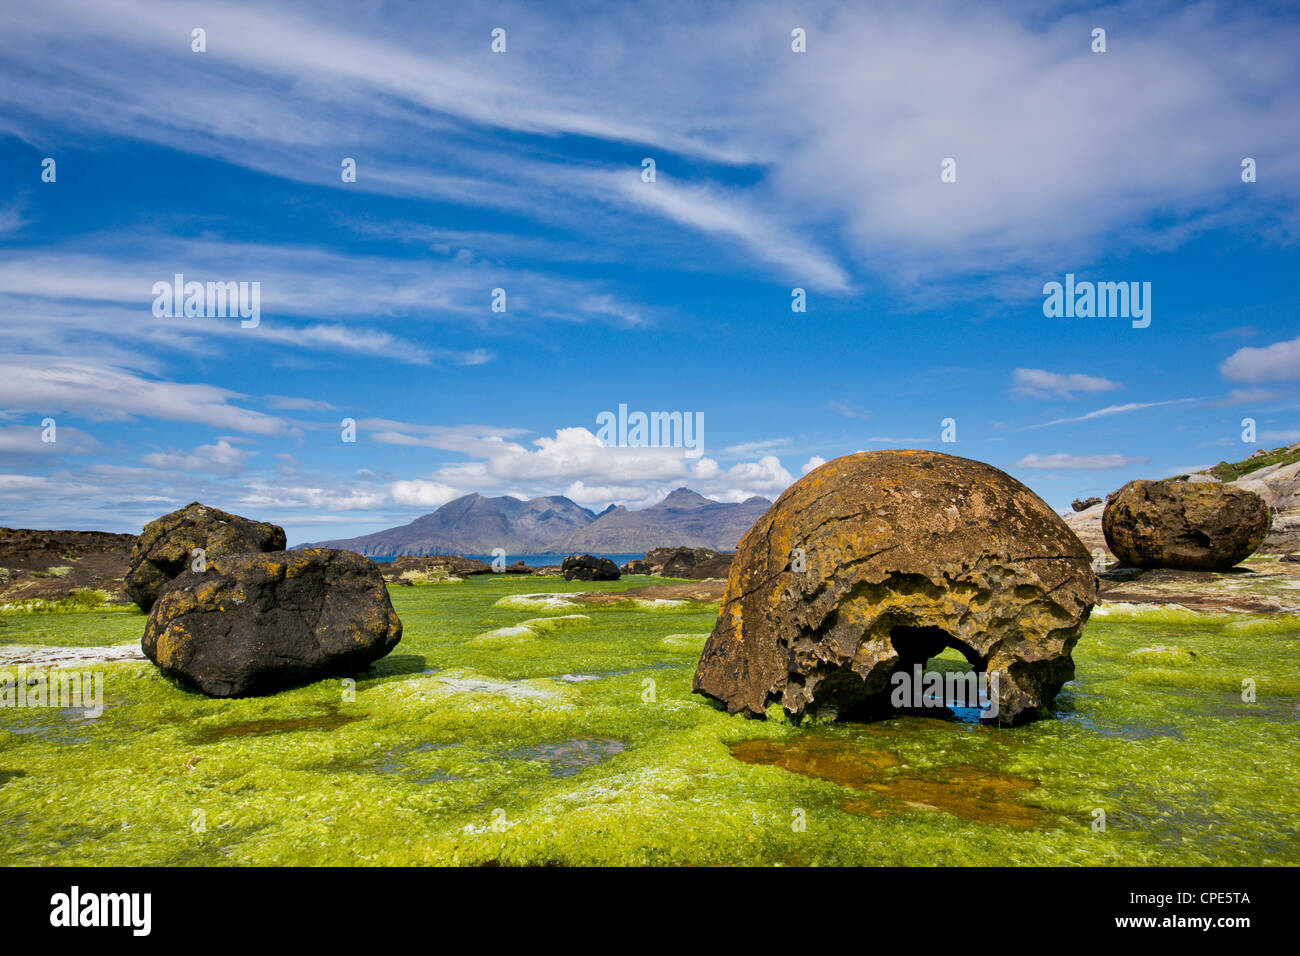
{"points": [[78, 601], [450, 749]]}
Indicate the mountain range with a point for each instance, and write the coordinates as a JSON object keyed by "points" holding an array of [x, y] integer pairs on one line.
{"points": [[473, 524]]}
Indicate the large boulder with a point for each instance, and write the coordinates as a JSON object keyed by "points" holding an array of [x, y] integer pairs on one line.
{"points": [[255, 623], [587, 567], [903, 553], [1177, 523], [165, 547]]}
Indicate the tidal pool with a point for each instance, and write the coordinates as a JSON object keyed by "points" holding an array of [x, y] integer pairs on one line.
{"points": [[460, 751]]}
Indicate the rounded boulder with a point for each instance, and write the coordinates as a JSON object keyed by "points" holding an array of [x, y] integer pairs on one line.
{"points": [[873, 563], [1190, 525], [255, 623]]}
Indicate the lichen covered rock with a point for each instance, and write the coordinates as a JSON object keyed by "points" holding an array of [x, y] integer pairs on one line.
{"points": [[873, 563], [1190, 525], [166, 546], [255, 623]]}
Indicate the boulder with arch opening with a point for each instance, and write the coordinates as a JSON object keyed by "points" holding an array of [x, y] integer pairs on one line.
{"points": [[873, 563]]}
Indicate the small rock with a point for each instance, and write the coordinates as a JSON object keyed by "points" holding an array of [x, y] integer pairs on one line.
{"points": [[587, 567], [1082, 504]]}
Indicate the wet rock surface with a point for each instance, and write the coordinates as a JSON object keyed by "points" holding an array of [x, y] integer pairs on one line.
{"points": [[903, 553], [255, 623], [1189, 525], [1264, 585], [165, 547]]}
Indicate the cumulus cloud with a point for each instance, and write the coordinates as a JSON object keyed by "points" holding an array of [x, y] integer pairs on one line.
{"points": [[424, 494], [816, 461], [221, 458], [1274, 363], [573, 458]]}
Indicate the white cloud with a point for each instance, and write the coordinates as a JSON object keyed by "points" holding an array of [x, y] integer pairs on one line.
{"points": [[291, 404], [835, 172], [1112, 410], [1040, 383], [1277, 362], [220, 458], [754, 447], [1077, 462], [711, 210], [27, 440], [593, 473], [849, 410], [1249, 396], [424, 494], [49, 385], [816, 461]]}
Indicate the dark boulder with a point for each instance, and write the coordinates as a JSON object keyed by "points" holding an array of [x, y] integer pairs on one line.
{"points": [[872, 563], [1083, 504], [694, 564], [586, 567], [255, 623], [166, 546], [1190, 525]]}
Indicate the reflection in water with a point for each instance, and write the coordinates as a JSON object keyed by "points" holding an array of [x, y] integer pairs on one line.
{"points": [[329, 720], [572, 755], [962, 790]]}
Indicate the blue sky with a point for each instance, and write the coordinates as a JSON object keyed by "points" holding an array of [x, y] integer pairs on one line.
{"points": [[522, 171]]}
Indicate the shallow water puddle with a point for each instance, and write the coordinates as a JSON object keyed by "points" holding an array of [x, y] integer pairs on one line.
{"points": [[964, 791], [7, 775], [330, 720], [395, 762], [573, 755]]}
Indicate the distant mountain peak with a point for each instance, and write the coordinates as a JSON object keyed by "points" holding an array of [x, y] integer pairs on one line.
{"points": [[685, 498], [475, 524]]}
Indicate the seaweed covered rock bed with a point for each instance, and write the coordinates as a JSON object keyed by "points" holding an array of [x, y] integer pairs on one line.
{"points": [[513, 725]]}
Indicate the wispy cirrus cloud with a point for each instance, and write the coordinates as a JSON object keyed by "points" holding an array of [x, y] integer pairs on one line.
{"points": [[1078, 462], [829, 173], [1041, 384], [101, 392], [1111, 410]]}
